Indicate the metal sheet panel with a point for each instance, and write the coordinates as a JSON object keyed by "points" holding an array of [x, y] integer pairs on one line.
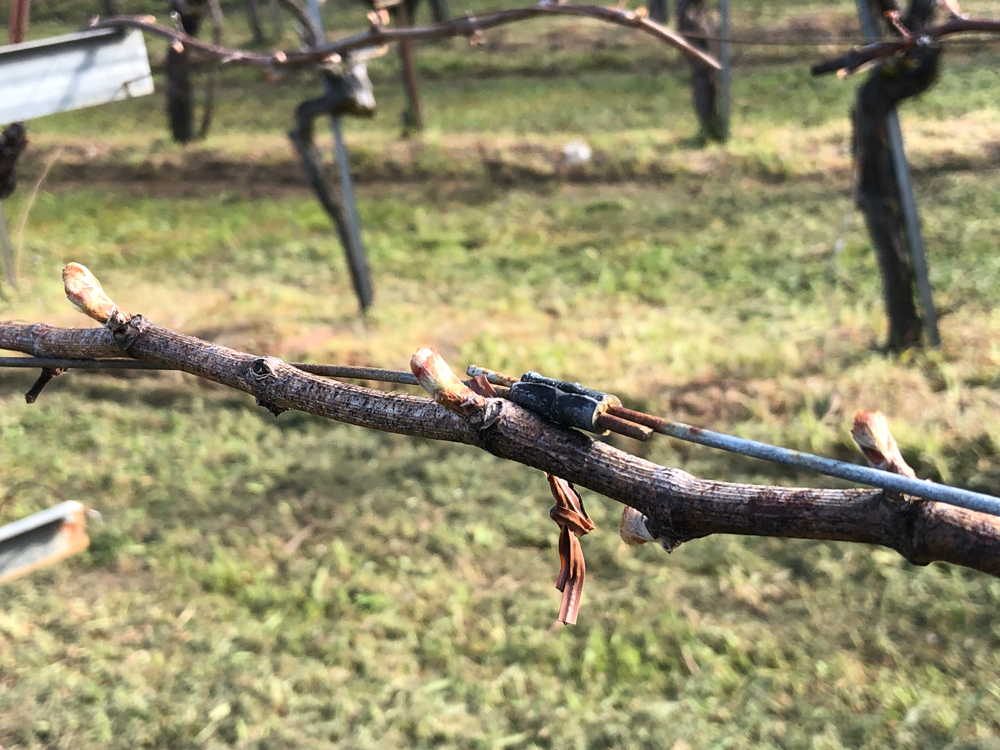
{"points": [[73, 71], [42, 539]]}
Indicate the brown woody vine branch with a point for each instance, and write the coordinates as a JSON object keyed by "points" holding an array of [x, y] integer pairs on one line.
{"points": [[675, 506], [881, 50], [378, 35]]}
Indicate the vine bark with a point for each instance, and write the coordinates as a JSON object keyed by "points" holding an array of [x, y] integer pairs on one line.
{"points": [[677, 506], [878, 189]]}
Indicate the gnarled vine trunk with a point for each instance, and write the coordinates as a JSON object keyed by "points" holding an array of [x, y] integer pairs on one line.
{"points": [[693, 18], [878, 191]]}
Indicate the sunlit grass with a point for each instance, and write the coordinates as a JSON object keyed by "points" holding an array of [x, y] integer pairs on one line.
{"points": [[413, 609]]}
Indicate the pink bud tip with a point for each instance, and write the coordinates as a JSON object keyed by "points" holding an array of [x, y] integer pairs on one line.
{"points": [[85, 291], [442, 384], [632, 528]]}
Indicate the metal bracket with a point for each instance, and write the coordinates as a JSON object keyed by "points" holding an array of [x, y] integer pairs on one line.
{"points": [[72, 71], [42, 539]]}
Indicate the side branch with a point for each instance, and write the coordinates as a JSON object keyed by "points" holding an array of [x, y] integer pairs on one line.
{"points": [[677, 506], [378, 35], [881, 50], [272, 381]]}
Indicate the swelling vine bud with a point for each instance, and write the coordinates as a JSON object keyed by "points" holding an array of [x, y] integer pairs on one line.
{"points": [[85, 291], [871, 432], [444, 386], [632, 528]]}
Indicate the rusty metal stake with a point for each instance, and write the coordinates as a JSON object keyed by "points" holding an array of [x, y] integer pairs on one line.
{"points": [[42, 539], [18, 22]]}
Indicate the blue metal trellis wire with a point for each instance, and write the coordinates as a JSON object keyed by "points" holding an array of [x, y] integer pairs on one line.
{"points": [[885, 480]]}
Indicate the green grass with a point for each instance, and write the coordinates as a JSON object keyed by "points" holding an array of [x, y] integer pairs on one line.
{"points": [[417, 611], [415, 607]]}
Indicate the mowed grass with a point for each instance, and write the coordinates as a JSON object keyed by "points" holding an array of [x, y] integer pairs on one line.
{"points": [[289, 582]]}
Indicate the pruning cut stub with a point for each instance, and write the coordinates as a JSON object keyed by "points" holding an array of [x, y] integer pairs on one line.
{"points": [[43, 380], [564, 403], [434, 375], [85, 291], [126, 328], [262, 369]]}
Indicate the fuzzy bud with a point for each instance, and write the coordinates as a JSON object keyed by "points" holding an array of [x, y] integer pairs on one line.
{"points": [[442, 384], [632, 528], [871, 432], [85, 291]]}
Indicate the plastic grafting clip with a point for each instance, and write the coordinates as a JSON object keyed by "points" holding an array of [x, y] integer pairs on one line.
{"points": [[573, 405], [565, 403]]}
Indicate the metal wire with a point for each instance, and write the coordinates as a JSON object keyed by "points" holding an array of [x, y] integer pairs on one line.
{"points": [[329, 371], [56, 363], [885, 480]]}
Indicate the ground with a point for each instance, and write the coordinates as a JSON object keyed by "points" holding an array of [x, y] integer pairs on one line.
{"points": [[262, 582]]}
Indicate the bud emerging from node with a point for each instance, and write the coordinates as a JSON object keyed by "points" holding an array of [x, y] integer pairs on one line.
{"points": [[632, 528], [871, 432], [85, 291], [444, 386]]}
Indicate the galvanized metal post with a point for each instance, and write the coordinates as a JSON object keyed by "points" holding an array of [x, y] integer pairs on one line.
{"points": [[724, 60], [356, 250], [911, 219], [659, 10], [8, 250]]}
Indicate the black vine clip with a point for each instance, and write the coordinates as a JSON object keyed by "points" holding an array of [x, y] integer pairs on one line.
{"points": [[562, 402]]}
